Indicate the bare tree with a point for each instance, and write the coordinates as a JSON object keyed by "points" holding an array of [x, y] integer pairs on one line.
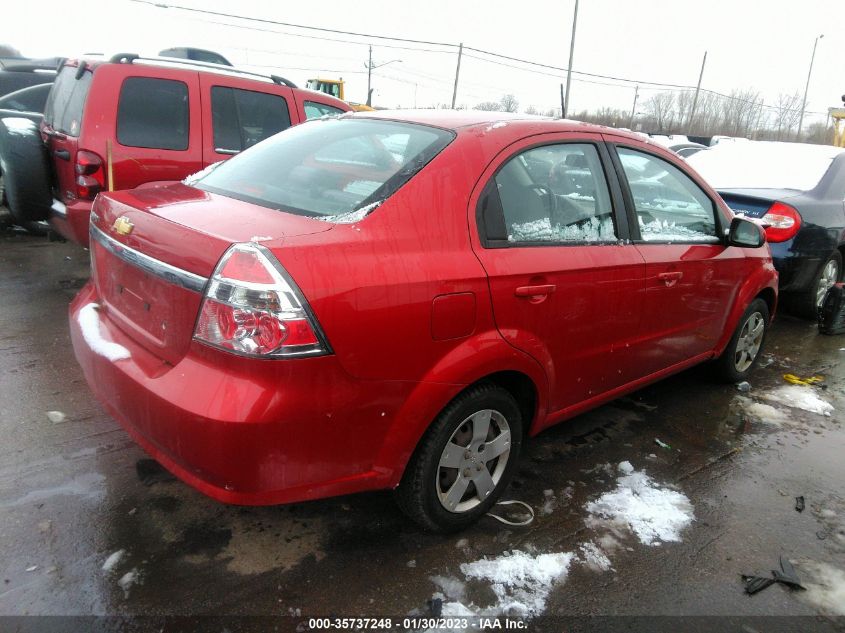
{"points": [[659, 109], [531, 110], [490, 106], [509, 103], [787, 113]]}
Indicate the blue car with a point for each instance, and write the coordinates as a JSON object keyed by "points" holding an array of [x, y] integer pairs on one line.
{"points": [[798, 190]]}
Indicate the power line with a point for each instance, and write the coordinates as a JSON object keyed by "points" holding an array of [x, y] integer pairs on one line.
{"points": [[163, 5]]}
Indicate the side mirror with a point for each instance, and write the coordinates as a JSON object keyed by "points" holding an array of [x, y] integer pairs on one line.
{"points": [[746, 234]]}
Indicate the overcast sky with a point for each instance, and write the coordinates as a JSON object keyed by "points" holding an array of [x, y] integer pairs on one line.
{"points": [[761, 45]]}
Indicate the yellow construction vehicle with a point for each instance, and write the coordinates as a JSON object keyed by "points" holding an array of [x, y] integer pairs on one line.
{"points": [[838, 116], [335, 88]]}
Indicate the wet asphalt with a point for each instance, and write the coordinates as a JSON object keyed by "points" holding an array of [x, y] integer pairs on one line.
{"points": [[71, 495]]}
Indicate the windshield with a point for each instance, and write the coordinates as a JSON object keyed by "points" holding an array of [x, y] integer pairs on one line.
{"points": [[336, 169], [764, 165]]}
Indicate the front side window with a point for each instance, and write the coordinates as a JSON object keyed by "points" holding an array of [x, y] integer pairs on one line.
{"points": [[332, 169], [242, 118], [153, 113], [314, 110], [556, 193], [670, 206]]}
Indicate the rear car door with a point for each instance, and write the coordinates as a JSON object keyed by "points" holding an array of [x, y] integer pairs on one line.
{"points": [[237, 114], [566, 286], [158, 133], [691, 275]]}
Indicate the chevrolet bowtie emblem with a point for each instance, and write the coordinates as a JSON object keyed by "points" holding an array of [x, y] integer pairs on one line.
{"points": [[122, 226]]}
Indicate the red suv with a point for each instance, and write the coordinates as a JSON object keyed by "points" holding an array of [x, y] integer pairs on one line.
{"points": [[400, 300], [129, 121]]}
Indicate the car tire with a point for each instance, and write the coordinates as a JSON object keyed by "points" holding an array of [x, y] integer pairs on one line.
{"points": [[745, 347], [433, 472], [26, 172], [807, 303]]}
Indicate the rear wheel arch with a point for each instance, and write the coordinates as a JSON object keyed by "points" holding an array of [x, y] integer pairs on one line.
{"points": [[770, 297], [396, 456]]}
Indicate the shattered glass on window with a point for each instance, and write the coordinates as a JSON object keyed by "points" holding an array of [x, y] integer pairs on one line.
{"points": [[592, 230], [670, 206], [556, 193]]}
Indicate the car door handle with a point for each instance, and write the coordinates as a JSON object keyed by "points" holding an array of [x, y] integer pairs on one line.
{"points": [[670, 278], [535, 291], [62, 153]]}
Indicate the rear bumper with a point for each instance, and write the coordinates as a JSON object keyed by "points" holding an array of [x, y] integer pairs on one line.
{"points": [[244, 431], [71, 220]]}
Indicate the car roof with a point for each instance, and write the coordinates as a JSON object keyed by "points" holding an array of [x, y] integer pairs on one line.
{"points": [[457, 119]]}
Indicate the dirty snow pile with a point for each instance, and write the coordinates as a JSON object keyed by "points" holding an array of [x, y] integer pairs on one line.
{"points": [[654, 514], [522, 581], [800, 397], [89, 323]]}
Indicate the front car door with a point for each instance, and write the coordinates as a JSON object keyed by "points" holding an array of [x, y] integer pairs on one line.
{"points": [[566, 286], [691, 275]]}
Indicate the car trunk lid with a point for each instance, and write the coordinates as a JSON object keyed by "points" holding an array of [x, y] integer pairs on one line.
{"points": [[154, 248]]}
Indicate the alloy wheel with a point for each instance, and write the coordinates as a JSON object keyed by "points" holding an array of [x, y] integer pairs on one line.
{"points": [[749, 341], [473, 461], [829, 276]]}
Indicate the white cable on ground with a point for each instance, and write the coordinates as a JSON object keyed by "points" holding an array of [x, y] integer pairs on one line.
{"points": [[522, 523]]}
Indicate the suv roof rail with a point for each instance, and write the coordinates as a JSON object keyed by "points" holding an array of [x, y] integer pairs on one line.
{"points": [[128, 58], [282, 81], [124, 58]]}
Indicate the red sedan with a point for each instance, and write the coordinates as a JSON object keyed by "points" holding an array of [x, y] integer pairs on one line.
{"points": [[400, 300]]}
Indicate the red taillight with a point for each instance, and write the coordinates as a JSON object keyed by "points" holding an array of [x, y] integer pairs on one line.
{"points": [[252, 307], [783, 222], [90, 175]]}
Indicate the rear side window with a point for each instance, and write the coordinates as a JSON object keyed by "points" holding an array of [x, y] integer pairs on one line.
{"points": [[242, 118], [556, 193], [333, 169], [153, 113], [314, 110], [66, 102], [670, 206]]}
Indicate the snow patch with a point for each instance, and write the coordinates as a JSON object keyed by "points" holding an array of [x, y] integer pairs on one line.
{"points": [[593, 557], [19, 126], [825, 585], [763, 412], [352, 216], [521, 582], [655, 515], [664, 230], [495, 125], [260, 238], [800, 397], [202, 173], [113, 560], [56, 416], [129, 579], [89, 322]]}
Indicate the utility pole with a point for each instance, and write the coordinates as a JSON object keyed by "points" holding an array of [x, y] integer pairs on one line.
{"points": [[634, 107], [457, 74], [571, 54], [370, 79], [807, 87], [562, 101], [697, 90]]}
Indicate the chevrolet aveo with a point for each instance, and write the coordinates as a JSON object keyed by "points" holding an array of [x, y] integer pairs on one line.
{"points": [[400, 300]]}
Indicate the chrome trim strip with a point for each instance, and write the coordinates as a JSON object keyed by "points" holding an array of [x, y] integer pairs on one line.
{"points": [[170, 274], [59, 208]]}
